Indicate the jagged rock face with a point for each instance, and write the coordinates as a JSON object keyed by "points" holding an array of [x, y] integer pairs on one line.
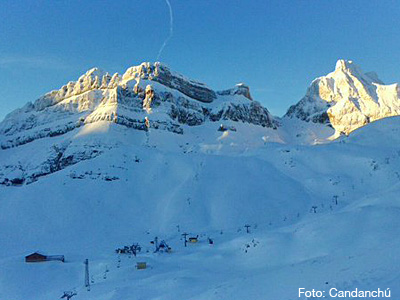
{"points": [[168, 99], [149, 92], [146, 97], [239, 89], [163, 75], [347, 99]]}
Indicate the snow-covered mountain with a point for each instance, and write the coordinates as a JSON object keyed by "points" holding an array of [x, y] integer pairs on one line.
{"points": [[168, 99], [82, 174], [347, 99]]}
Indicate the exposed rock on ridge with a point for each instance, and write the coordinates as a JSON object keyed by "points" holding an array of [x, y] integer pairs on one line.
{"points": [[168, 99], [162, 74]]}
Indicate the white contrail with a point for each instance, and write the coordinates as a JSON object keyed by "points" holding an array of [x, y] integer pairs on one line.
{"points": [[171, 30]]}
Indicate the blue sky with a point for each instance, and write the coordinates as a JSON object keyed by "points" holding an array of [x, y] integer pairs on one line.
{"points": [[276, 47]]}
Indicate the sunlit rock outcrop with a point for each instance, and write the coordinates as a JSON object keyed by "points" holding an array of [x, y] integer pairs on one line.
{"points": [[173, 100]]}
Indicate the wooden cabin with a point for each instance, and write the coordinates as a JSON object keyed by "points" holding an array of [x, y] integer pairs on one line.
{"points": [[39, 257], [35, 257], [141, 265]]}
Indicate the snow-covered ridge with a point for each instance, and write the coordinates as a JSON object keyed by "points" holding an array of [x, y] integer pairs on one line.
{"points": [[347, 99], [162, 74], [168, 99]]}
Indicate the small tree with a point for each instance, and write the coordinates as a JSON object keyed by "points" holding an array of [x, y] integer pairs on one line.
{"points": [[135, 248]]}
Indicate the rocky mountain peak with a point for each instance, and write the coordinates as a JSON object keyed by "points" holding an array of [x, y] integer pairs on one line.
{"points": [[93, 73], [345, 65], [347, 99], [162, 74], [242, 89], [349, 68], [168, 100], [239, 89]]}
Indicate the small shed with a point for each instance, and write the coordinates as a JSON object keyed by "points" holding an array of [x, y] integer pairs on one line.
{"points": [[193, 239], [141, 265]]}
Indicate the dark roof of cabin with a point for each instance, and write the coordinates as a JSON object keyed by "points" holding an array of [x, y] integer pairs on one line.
{"points": [[36, 253]]}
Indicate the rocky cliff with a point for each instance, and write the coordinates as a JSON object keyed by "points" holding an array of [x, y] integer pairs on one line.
{"points": [[169, 100]]}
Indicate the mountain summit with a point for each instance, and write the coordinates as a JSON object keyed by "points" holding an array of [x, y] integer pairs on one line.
{"points": [[347, 99], [168, 99], [148, 97]]}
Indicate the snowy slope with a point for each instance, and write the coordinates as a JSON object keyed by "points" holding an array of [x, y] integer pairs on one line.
{"points": [[212, 190], [321, 215]]}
